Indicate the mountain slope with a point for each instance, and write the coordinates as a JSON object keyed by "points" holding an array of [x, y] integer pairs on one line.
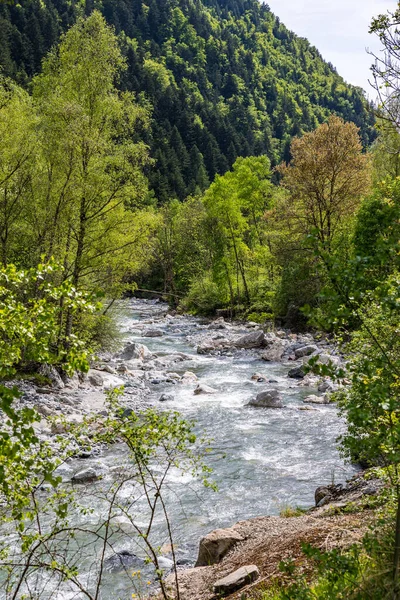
{"points": [[225, 79]]}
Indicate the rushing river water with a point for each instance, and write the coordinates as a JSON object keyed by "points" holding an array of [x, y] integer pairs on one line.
{"points": [[273, 457]]}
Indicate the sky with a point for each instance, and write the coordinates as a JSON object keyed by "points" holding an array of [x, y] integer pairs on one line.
{"points": [[339, 29]]}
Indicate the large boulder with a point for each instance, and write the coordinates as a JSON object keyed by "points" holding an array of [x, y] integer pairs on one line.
{"points": [[321, 492], [267, 399], [236, 580], [215, 545], [305, 350], [255, 339]]}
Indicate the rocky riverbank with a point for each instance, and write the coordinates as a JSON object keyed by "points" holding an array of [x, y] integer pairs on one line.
{"points": [[240, 561], [140, 370]]}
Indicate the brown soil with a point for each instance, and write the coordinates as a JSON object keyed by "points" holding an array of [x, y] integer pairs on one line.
{"points": [[269, 540]]}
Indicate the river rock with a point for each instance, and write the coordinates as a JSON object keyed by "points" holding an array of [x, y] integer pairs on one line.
{"points": [[103, 379], [166, 398], [316, 399], [305, 350], [134, 350], [43, 410], [189, 377], [172, 376], [274, 352], [256, 339], [218, 324], [215, 545], [165, 563], [297, 372], [206, 347], [71, 383], [152, 333], [95, 378], [130, 351], [122, 560], [108, 369], [258, 377], [320, 493], [53, 375], [202, 388], [209, 345], [327, 386], [325, 359], [267, 399], [236, 580], [86, 476]]}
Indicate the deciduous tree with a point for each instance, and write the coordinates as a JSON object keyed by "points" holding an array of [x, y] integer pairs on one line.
{"points": [[326, 179]]}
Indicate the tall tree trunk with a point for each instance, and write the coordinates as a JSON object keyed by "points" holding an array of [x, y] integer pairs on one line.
{"points": [[239, 265], [77, 266], [232, 297]]}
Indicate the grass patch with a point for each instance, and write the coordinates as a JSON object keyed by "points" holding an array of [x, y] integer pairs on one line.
{"points": [[288, 512]]}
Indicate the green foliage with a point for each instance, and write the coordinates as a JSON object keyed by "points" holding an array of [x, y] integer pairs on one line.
{"points": [[46, 544], [72, 183], [235, 204], [289, 512], [371, 403], [31, 318], [377, 231], [212, 251], [361, 572], [259, 317], [205, 296]]}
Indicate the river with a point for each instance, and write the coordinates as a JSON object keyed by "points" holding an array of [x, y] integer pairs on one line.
{"points": [[274, 458]]}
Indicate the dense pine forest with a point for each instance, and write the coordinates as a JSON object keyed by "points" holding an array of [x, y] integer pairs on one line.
{"points": [[223, 79], [197, 152]]}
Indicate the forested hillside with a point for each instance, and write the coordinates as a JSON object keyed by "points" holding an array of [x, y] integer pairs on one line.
{"points": [[224, 78]]}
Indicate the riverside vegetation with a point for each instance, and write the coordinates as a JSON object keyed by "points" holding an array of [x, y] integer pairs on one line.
{"points": [[95, 202]]}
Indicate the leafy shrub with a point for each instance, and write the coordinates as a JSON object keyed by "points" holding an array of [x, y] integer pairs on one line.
{"points": [[205, 296]]}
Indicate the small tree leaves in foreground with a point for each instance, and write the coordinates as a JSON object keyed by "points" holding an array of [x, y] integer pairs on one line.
{"points": [[61, 544]]}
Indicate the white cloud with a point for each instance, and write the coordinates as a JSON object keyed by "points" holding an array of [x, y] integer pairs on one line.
{"points": [[339, 29]]}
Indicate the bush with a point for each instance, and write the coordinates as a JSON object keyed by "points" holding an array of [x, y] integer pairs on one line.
{"points": [[101, 331], [205, 296]]}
